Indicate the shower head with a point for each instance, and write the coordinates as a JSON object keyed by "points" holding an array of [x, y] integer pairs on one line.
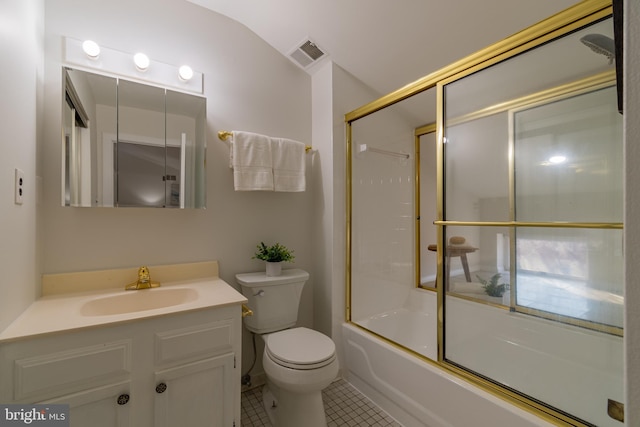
{"points": [[600, 44]]}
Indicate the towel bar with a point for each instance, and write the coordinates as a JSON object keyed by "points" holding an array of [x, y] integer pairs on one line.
{"points": [[225, 134]]}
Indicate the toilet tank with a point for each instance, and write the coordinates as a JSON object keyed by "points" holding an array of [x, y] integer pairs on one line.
{"points": [[274, 300]]}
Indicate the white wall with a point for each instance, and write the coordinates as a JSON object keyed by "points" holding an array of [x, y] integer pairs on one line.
{"points": [[248, 85], [335, 93], [632, 210], [324, 200], [21, 26]]}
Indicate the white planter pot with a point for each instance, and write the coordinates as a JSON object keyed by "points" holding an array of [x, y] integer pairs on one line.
{"points": [[506, 298], [274, 268]]}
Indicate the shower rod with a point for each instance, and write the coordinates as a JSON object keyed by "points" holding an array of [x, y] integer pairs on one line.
{"points": [[364, 147]]}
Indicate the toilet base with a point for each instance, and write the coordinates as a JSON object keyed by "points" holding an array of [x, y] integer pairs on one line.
{"points": [[286, 409], [269, 403]]}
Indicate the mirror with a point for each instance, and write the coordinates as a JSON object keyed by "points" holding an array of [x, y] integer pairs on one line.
{"points": [[128, 144]]}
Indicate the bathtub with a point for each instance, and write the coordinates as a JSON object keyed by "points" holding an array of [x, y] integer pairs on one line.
{"points": [[418, 393], [412, 326]]}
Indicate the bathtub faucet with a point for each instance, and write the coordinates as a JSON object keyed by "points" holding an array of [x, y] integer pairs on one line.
{"points": [[143, 282]]}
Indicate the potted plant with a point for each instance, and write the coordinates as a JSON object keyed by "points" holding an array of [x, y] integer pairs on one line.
{"points": [[274, 256], [491, 286]]}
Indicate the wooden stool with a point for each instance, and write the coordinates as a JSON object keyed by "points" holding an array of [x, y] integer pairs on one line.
{"points": [[456, 251]]}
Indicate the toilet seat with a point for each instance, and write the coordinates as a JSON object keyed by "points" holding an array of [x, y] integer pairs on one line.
{"points": [[300, 348]]}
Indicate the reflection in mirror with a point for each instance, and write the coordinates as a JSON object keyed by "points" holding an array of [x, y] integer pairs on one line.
{"points": [[89, 116], [185, 129], [141, 146], [145, 150]]}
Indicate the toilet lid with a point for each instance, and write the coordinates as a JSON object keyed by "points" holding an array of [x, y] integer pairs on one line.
{"points": [[300, 348]]}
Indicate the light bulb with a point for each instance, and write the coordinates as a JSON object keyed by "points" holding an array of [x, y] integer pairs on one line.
{"points": [[556, 160], [91, 48], [142, 61], [185, 73]]}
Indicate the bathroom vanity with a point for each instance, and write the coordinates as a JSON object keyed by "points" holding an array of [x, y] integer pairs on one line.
{"points": [[119, 362]]}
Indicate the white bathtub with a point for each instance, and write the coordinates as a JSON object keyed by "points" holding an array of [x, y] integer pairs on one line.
{"points": [[412, 326], [418, 393]]}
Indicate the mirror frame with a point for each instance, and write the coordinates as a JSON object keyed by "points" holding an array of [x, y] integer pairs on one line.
{"points": [[191, 192]]}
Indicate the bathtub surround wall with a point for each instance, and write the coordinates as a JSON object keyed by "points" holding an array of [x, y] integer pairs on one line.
{"points": [[383, 214]]}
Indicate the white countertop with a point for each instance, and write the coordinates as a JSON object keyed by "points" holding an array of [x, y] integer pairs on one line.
{"points": [[63, 312]]}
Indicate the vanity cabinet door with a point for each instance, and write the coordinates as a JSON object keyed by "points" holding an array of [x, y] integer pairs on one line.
{"points": [[196, 394], [100, 407], [189, 358]]}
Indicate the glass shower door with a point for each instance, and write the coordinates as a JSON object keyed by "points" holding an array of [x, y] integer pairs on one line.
{"points": [[383, 288], [532, 166]]}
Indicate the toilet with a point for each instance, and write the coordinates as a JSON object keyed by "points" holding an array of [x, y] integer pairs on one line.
{"points": [[298, 362]]}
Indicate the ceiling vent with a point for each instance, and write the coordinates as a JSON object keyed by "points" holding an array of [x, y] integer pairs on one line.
{"points": [[306, 54]]}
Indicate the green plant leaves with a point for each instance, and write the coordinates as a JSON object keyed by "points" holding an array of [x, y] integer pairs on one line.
{"points": [[491, 287], [274, 253]]}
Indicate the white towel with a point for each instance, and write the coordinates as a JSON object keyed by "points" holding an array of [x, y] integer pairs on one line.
{"points": [[252, 162], [288, 165]]}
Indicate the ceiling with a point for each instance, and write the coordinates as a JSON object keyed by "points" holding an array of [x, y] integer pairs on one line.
{"points": [[387, 44]]}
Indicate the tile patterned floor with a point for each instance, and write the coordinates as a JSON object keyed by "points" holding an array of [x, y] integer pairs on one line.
{"points": [[343, 404]]}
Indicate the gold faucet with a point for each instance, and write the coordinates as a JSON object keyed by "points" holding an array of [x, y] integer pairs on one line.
{"points": [[143, 282]]}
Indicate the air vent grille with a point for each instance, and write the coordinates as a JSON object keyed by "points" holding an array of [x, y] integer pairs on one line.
{"points": [[312, 50], [306, 53]]}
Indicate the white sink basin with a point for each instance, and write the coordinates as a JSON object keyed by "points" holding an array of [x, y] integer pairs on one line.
{"points": [[136, 301]]}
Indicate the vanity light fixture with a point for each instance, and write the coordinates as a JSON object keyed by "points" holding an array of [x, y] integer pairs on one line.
{"points": [[142, 61], [89, 54], [185, 73], [91, 49]]}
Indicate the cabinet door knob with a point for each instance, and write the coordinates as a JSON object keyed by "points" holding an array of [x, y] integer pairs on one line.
{"points": [[161, 388], [123, 399]]}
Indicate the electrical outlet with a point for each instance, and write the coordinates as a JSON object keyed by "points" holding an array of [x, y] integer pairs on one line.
{"points": [[19, 193]]}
